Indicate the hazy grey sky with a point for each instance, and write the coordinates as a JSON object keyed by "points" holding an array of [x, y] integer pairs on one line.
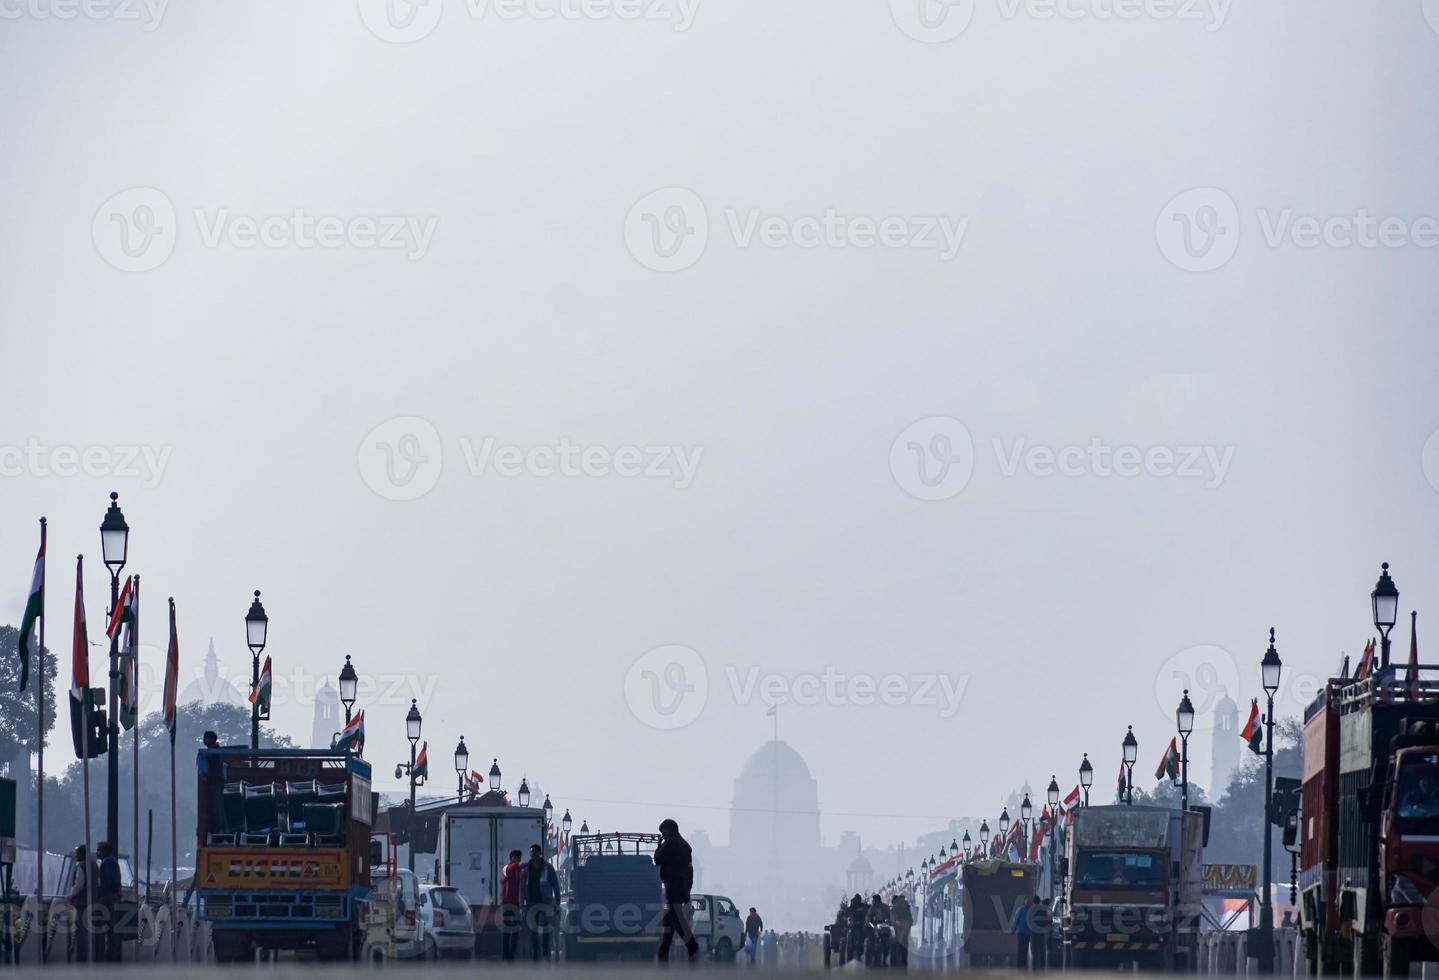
{"points": [[1197, 239]]}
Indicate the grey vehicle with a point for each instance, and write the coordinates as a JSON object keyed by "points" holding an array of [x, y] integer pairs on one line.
{"points": [[444, 922]]}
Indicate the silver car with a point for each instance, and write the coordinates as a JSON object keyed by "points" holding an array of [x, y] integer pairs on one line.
{"points": [[445, 925]]}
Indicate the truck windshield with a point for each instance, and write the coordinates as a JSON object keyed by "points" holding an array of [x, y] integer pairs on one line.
{"points": [[1417, 800], [1119, 869]]}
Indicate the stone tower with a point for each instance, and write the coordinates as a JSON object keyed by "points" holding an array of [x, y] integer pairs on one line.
{"points": [[1224, 752], [327, 716]]}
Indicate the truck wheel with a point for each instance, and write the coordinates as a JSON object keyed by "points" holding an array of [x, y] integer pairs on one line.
{"points": [[1395, 956], [724, 952]]}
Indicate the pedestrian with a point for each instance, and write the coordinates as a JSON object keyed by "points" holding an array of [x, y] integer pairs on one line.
{"points": [[540, 889], [1022, 935], [854, 941], [753, 926], [107, 896], [675, 859], [1039, 920], [510, 920], [79, 896], [902, 916]]}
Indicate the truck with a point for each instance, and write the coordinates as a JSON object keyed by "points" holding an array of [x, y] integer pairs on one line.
{"points": [[991, 892], [283, 854], [1134, 887], [474, 845], [1368, 824]]}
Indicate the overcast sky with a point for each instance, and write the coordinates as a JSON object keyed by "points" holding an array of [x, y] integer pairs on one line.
{"points": [[1013, 369]]}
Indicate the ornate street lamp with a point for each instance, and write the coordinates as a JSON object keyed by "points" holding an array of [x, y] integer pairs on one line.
{"points": [[1004, 822], [257, 633], [114, 548], [413, 723], [566, 822], [968, 842], [494, 775], [1131, 753], [1270, 668], [462, 765], [1086, 777], [1026, 813], [584, 827], [1184, 722], [349, 682], [549, 809], [523, 794], [1385, 599], [983, 835], [1052, 795]]}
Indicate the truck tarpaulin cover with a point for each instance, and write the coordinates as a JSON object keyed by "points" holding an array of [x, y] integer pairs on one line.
{"points": [[1113, 827]]}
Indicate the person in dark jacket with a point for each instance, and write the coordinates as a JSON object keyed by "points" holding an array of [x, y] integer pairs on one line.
{"points": [[511, 923], [540, 890], [675, 859], [753, 926], [854, 941], [107, 896]]}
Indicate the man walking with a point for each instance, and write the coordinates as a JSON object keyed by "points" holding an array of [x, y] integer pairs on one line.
{"points": [[1022, 934], [80, 884], [753, 926], [107, 896], [510, 921], [540, 887], [675, 859]]}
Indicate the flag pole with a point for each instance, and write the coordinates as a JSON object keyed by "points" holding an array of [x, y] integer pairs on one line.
{"points": [[134, 668], [40, 764], [172, 710]]}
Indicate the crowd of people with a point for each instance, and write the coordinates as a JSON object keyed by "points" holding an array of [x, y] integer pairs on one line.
{"points": [[874, 932]]}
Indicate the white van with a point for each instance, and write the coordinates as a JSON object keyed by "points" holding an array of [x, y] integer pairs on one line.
{"points": [[717, 925]]}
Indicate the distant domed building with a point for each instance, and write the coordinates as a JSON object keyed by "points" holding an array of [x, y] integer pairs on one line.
{"points": [[328, 720], [775, 809], [210, 687]]}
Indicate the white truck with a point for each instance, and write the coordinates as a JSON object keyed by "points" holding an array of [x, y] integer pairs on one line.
{"points": [[474, 845]]}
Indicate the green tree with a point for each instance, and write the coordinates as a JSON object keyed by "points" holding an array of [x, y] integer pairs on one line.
{"points": [[18, 738]]}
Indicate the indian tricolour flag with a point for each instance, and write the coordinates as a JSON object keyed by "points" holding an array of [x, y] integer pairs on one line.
{"points": [[1252, 732], [352, 738], [260, 693], [1169, 762], [34, 609], [422, 764]]}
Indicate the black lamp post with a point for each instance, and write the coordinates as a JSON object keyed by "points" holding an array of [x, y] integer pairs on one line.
{"points": [[349, 681], [257, 631], [495, 776], [413, 723], [549, 809], [1269, 670], [462, 765], [1026, 812], [1051, 794], [1086, 777], [1385, 598], [566, 822], [584, 826], [115, 548], [523, 794], [1184, 721], [983, 835], [968, 843], [1131, 753], [1004, 823]]}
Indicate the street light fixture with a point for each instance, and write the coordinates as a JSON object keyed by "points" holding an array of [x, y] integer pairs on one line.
{"points": [[115, 548], [413, 723], [968, 843], [495, 774], [349, 682], [1086, 777], [983, 834], [1184, 721], [549, 809], [1026, 812], [584, 827], [1269, 670], [462, 765], [1052, 793], [257, 634], [523, 795], [566, 822], [1385, 598], [1131, 753], [1004, 822]]}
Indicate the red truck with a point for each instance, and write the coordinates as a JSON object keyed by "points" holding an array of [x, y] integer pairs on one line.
{"points": [[1369, 825]]}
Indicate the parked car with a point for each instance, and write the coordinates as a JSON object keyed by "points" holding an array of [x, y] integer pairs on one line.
{"points": [[445, 923]]}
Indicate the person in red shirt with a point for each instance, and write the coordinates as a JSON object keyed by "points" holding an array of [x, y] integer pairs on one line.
{"points": [[510, 904]]}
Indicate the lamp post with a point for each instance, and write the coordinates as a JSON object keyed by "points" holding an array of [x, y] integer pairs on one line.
{"points": [[1269, 670], [1086, 777], [1184, 721], [1051, 794], [1385, 599], [115, 548], [462, 765], [1026, 812], [566, 822], [257, 631], [549, 809], [967, 842], [495, 776], [523, 794], [1291, 844], [1004, 823], [412, 732], [349, 681], [983, 835], [1131, 753]]}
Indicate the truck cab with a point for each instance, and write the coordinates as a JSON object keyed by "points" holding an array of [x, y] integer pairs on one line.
{"points": [[717, 925], [1409, 838]]}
